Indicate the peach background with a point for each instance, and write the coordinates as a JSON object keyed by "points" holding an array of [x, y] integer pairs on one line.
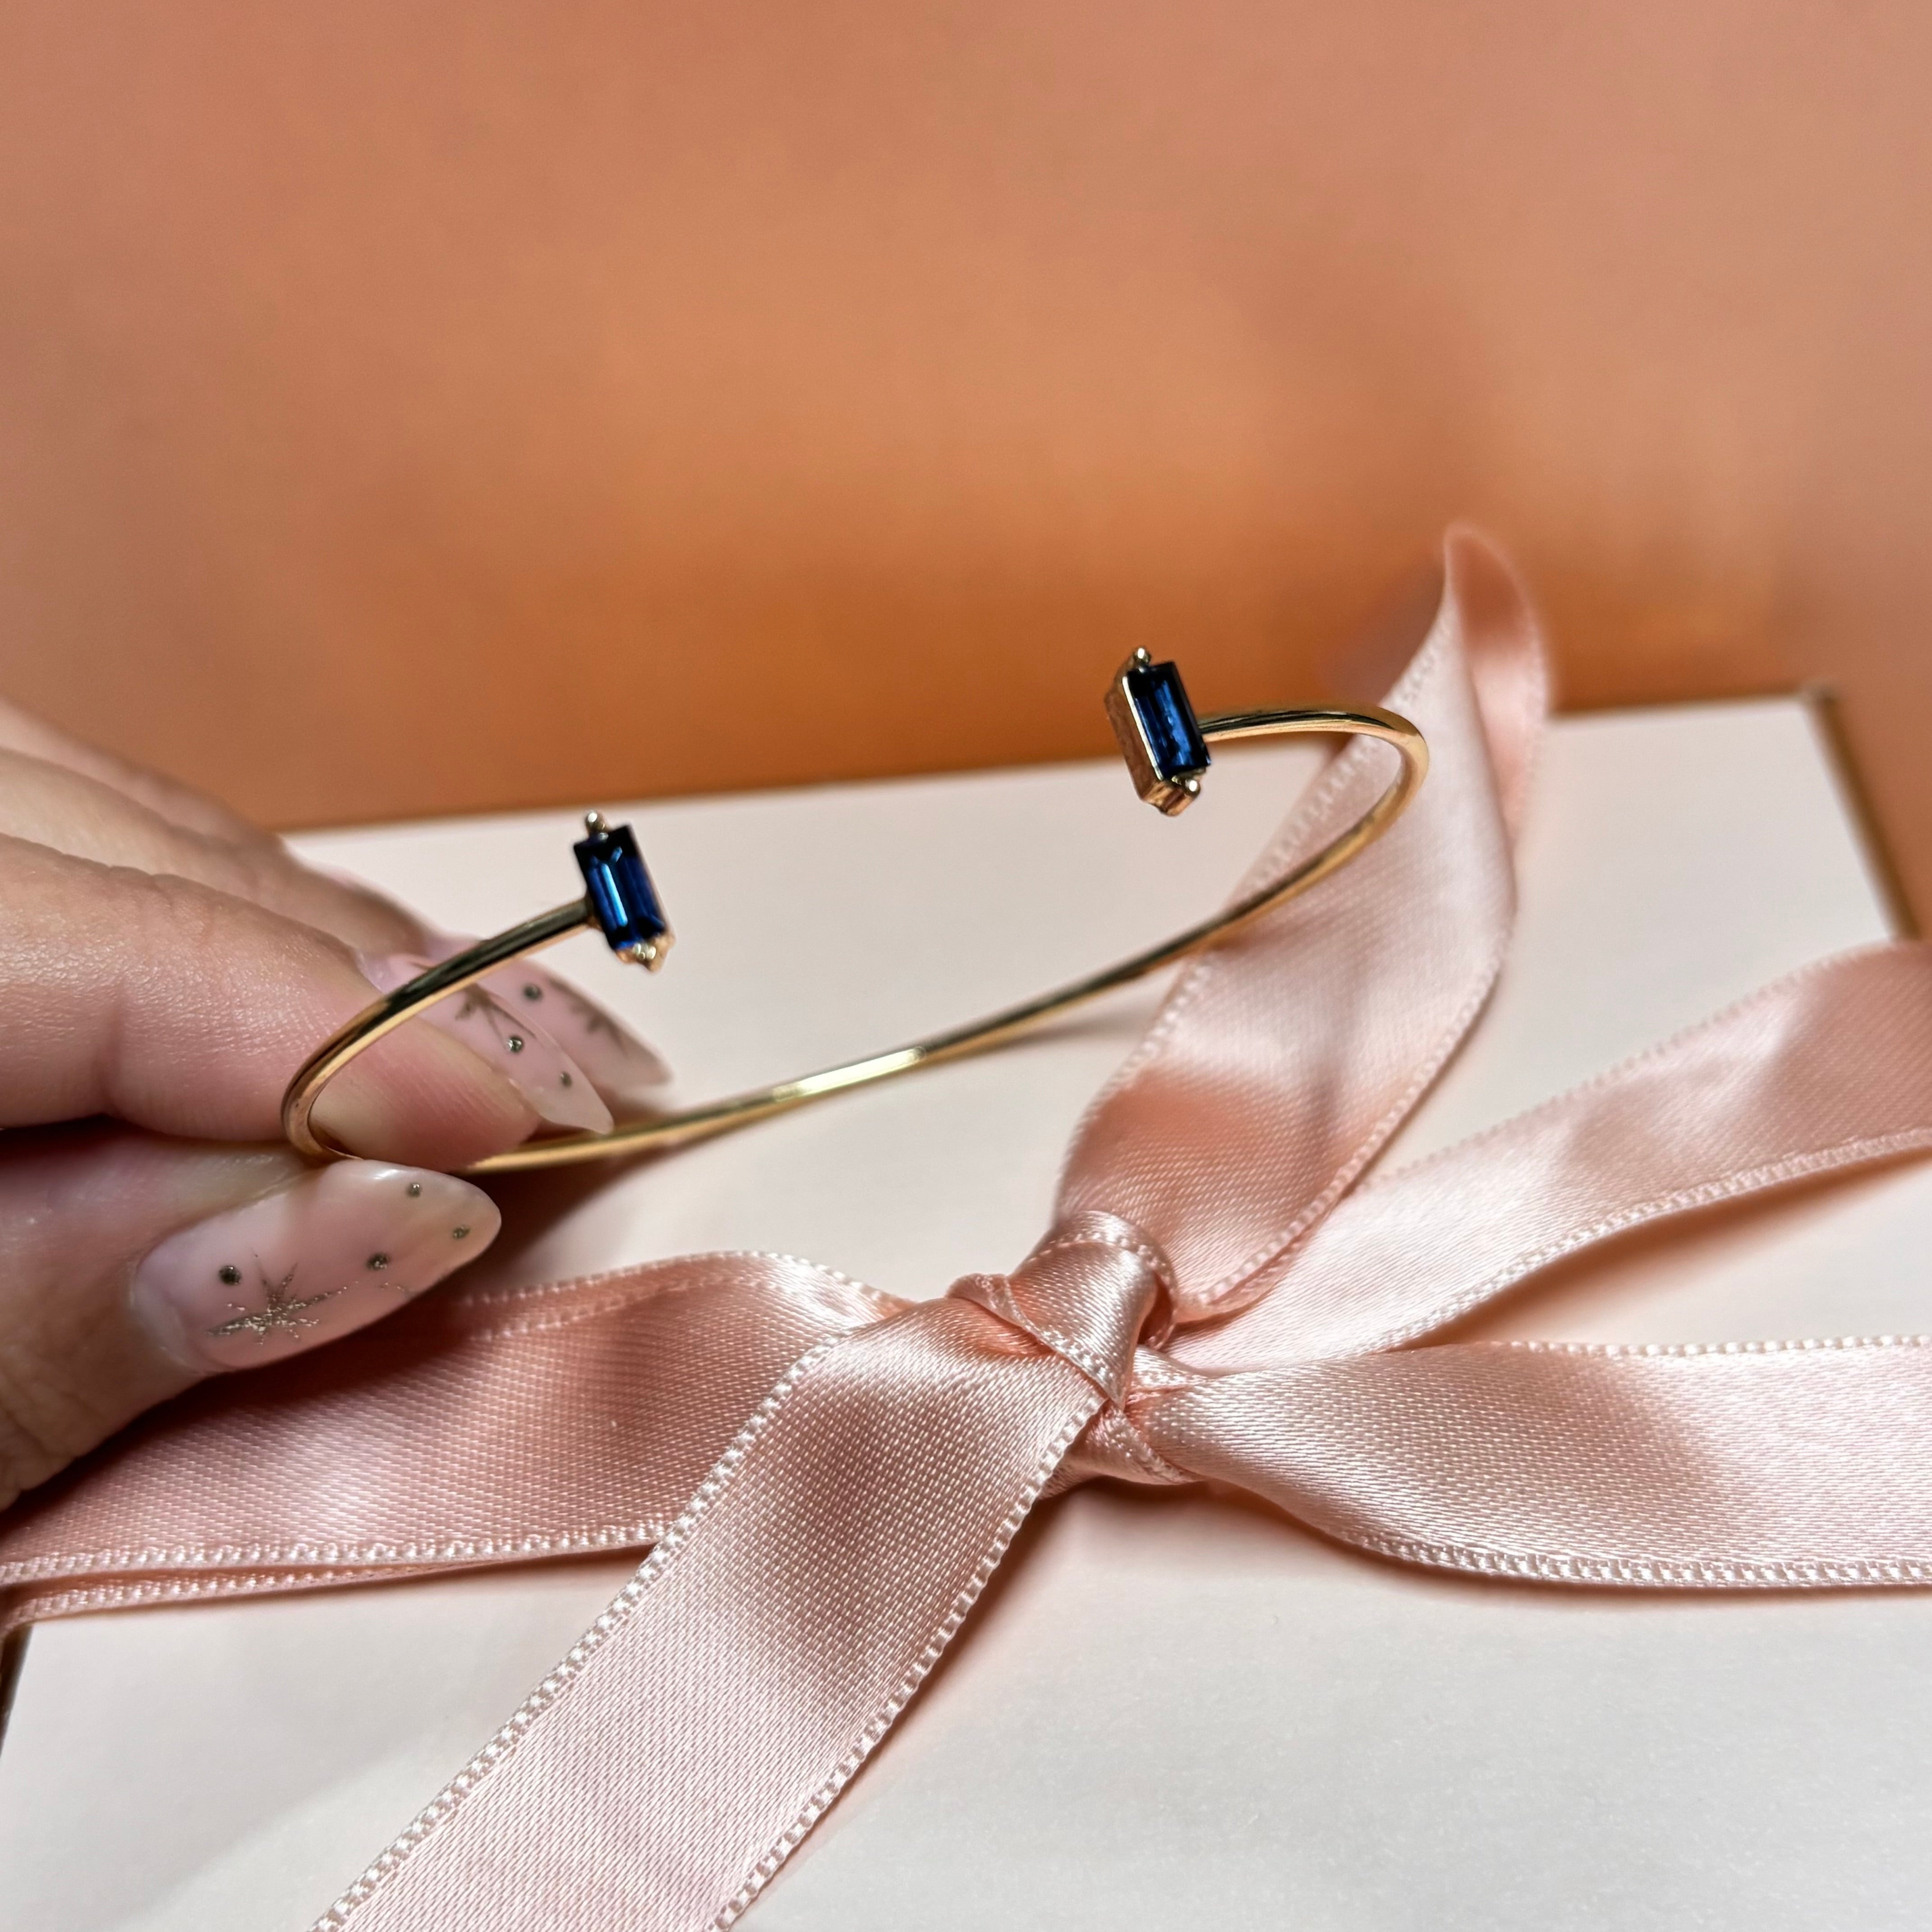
{"points": [[415, 408]]}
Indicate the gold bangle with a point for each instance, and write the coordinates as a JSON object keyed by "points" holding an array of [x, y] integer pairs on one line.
{"points": [[1166, 748]]}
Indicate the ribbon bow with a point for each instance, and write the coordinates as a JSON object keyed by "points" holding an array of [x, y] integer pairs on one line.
{"points": [[1223, 1298]]}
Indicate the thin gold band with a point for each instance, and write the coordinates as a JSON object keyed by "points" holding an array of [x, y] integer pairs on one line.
{"points": [[721, 1117]]}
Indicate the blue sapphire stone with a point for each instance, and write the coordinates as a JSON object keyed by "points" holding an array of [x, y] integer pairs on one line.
{"points": [[1167, 721], [621, 896]]}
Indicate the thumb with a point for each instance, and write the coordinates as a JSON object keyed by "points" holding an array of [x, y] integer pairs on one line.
{"points": [[131, 1266]]}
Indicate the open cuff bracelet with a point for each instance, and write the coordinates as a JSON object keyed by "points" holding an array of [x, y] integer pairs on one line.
{"points": [[1166, 748]]}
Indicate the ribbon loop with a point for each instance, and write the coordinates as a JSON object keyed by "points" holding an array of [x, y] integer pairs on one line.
{"points": [[1091, 1291]]}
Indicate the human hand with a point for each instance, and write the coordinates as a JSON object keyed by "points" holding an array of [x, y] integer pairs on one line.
{"points": [[164, 966]]}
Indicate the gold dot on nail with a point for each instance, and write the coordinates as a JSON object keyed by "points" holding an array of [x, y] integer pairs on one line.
{"points": [[415, 1188], [378, 1261], [565, 1079], [515, 1043], [458, 1234], [532, 992], [230, 1274]]}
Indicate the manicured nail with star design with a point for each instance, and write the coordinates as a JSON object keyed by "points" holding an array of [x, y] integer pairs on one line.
{"points": [[517, 1044], [624, 1069], [330, 1252]]}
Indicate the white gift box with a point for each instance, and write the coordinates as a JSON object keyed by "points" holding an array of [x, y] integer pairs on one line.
{"points": [[1172, 1708]]}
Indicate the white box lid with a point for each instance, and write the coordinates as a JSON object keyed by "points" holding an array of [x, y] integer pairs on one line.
{"points": [[1170, 1708]]}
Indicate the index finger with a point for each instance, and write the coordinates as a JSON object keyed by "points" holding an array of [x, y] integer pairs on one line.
{"points": [[179, 1008]]}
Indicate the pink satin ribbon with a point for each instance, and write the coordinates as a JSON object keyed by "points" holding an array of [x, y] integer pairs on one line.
{"points": [[1223, 1296]]}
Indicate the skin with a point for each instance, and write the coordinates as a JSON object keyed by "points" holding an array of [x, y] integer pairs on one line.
{"points": [[164, 968]]}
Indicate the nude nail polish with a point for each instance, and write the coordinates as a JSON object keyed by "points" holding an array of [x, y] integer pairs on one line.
{"points": [[327, 1254], [516, 1042], [625, 1068]]}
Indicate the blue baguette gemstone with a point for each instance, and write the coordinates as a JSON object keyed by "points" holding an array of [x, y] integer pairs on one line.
{"points": [[621, 896], [1167, 721]]}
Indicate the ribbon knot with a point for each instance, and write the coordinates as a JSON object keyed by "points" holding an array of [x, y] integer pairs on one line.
{"points": [[1092, 1292], [809, 1565]]}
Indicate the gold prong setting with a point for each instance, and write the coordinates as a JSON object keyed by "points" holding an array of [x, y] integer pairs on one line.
{"points": [[619, 895], [1159, 736]]}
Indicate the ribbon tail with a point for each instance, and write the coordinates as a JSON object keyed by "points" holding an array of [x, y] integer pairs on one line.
{"points": [[659, 1778], [1735, 1465]]}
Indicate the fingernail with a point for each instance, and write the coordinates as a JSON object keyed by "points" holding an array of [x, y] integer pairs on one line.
{"points": [[329, 1253], [624, 1069], [516, 1044]]}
